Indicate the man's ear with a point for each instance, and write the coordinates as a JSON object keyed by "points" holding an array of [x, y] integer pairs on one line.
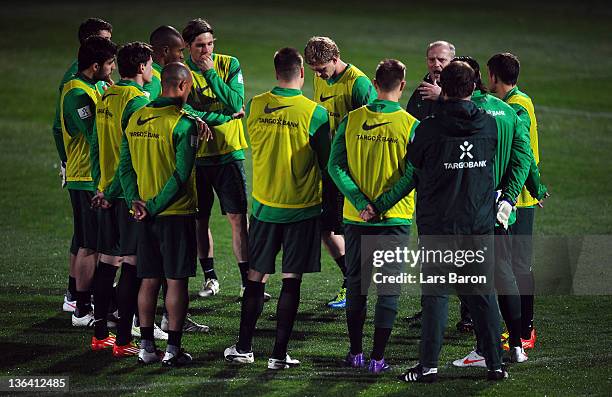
{"points": [[375, 83], [402, 85], [302, 72], [95, 67], [492, 78]]}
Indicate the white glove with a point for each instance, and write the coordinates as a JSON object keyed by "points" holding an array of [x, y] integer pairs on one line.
{"points": [[504, 209], [63, 173]]}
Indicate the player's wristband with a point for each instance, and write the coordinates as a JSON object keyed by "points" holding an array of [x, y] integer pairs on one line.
{"points": [[505, 197]]}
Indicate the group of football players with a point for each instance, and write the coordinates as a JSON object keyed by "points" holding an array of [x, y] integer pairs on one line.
{"points": [[143, 158]]}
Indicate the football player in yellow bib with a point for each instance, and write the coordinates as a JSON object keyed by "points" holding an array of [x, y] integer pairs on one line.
{"points": [[290, 140], [89, 27], [80, 96], [370, 143], [339, 87], [218, 86], [503, 77], [168, 46], [116, 228], [156, 170]]}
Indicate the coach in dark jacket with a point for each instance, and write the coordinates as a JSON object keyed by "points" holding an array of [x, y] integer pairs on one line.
{"points": [[423, 100], [453, 152], [451, 156]]}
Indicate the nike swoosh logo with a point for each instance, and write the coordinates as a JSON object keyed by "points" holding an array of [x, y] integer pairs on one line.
{"points": [[367, 127], [468, 362], [142, 121], [268, 109], [107, 95], [325, 98]]}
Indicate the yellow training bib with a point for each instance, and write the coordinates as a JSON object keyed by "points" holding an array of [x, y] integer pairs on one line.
{"points": [[229, 137], [525, 199], [285, 168], [149, 134], [78, 166], [376, 146], [109, 114], [338, 97]]}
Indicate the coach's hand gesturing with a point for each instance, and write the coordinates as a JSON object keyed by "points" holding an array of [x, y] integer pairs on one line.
{"points": [[430, 91]]}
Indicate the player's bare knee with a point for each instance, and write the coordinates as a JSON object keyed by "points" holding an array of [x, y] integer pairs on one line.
{"points": [[130, 260], [238, 221], [86, 252], [258, 277], [111, 260], [292, 275]]}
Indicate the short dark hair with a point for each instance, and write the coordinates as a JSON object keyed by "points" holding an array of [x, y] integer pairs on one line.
{"points": [[505, 67], [173, 73], [476, 67], [96, 49], [389, 74], [163, 35], [91, 27], [131, 55], [194, 28], [457, 80], [288, 62]]}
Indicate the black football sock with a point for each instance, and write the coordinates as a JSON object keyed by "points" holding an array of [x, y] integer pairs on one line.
{"points": [[526, 285], [252, 306], [514, 329], [508, 306], [244, 272], [103, 290], [526, 316], [113, 305], [174, 342], [71, 287], [147, 341], [83, 303], [136, 319], [286, 310], [381, 337], [355, 319], [208, 266], [127, 296], [342, 266]]}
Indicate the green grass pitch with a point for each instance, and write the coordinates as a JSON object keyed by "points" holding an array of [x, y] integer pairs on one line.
{"points": [[566, 59]]}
